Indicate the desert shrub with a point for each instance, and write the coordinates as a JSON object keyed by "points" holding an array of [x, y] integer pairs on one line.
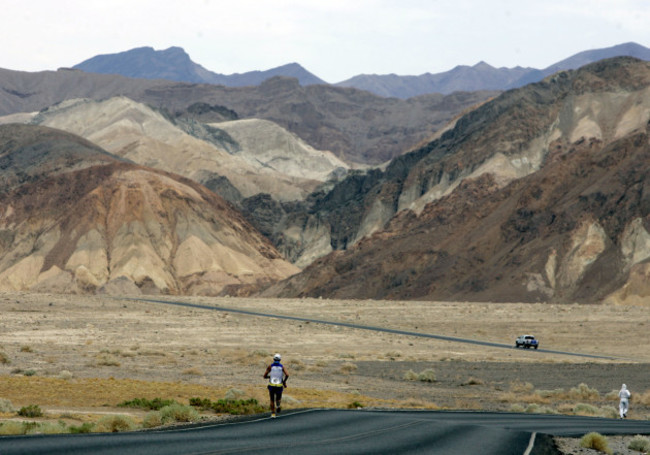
{"points": [[639, 443], [609, 412], [238, 407], [4, 360], [179, 413], [143, 403], [234, 407], [613, 395], [107, 360], [115, 424], [583, 392], [517, 408], [411, 375], [586, 409], [427, 375], [532, 408], [6, 406], [29, 373], [152, 419], [13, 427], [595, 441], [549, 393], [473, 381], [51, 428], [355, 405], [65, 374], [85, 427], [26, 349], [33, 410], [643, 398]]}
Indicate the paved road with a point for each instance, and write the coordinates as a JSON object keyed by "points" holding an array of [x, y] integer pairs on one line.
{"points": [[314, 432], [367, 327]]}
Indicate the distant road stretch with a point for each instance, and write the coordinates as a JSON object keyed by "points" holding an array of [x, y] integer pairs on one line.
{"points": [[366, 327], [315, 432]]}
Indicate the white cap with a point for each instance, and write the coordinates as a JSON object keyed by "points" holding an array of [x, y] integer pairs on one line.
{"points": [[277, 357]]}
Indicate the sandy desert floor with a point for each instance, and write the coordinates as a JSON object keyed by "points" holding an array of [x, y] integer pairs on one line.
{"points": [[79, 356]]}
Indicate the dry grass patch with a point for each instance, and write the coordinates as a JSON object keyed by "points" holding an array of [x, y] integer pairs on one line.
{"points": [[595, 441]]}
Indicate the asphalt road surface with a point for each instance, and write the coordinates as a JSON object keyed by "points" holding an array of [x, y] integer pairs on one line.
{"points": [[312, 432]]}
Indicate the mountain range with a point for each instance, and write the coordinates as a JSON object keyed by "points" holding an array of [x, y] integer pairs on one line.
{"points": [[537, 195], [123, 185], [175, 64]]}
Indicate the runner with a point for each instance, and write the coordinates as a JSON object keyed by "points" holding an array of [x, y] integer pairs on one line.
{"points": [[277, 376], [624, 405]]}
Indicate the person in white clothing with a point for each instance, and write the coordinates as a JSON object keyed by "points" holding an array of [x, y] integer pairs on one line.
{"points": [[624, 404], [277, 376]]}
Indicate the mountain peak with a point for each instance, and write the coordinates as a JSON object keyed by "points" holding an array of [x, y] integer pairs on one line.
{"points": [[175, 64]]}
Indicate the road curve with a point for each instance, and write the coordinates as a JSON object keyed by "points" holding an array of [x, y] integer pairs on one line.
{"points": [[365, 327], [312, 432]]}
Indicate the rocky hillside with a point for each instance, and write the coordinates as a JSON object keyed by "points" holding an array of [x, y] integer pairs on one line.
{"points": [[237, 159], [538, 195], [357, 126], [74, 218]]}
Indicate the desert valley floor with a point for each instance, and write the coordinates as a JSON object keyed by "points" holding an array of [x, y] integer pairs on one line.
{"points": [[82, 355]]}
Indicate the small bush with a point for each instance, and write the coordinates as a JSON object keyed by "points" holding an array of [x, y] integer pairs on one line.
{"points": [[10, 428], [532, 408], [85, 427], [6, 406], [238, 407], [29, 373], [33, 410], [115, 424], [65, 374], [355, 405], [411, 375], [152, 419], [584, 392], [517, 408], [4, 360], [595, 441], [639, 443], [107, 360], [609, 412], [586, 409], [26, 349], [51, 428], [178, 413], [427, 375], [234, 407], [143, 403]]}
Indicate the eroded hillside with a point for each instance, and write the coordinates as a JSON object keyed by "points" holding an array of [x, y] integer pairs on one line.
{"points": [[105, 225], [537, 195]]}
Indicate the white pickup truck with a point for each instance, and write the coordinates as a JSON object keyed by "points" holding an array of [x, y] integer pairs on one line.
{"points": [[526, 341]]}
